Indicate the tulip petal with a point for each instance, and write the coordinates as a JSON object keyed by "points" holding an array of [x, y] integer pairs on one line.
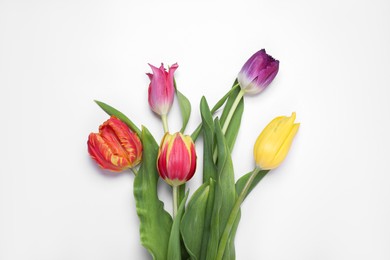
{"points": [[101, 153], [282, 153], [179, 160]]}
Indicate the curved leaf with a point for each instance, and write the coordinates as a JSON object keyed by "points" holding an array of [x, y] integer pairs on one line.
{"points": [[207, 220], [193, 222], [230, 251], [185, 108], [114, 112], [155, 222]]}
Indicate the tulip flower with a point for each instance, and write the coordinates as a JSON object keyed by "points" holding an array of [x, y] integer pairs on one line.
{"points": [[115, 147], [258, 72], [176, 161], [274, 142], [161, 89]]}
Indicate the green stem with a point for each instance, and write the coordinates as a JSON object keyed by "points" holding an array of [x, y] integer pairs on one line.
{"points": [[165, 123], [175, 200], [232, 110], [233, 215], [229, 118]]}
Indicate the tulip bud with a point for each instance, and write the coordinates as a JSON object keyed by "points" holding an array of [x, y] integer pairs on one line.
{"points": [[274, 142], [176, 161], [161, 89], [115, 147], [258, 72]]}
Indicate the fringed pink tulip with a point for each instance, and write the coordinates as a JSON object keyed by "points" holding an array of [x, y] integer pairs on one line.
{"points": [[258, 72], [161, 89], [115, 147], [176, 161]]}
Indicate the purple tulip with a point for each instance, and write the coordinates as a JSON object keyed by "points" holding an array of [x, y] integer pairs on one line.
{"points": [[161, 89], [258, 72]]}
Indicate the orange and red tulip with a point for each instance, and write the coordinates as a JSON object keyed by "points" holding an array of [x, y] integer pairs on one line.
{"points": [[115, 147]]}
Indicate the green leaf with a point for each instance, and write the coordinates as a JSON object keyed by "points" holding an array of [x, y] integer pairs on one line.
{"points": [[197, 131], [209, 168], [234, 126], [185, 109], [230, 251], [225, 177], [193, 222], [225, 193], [114, 112], [174, 250], [213, 238], [207, 220], [242, 181], [155, 222]]}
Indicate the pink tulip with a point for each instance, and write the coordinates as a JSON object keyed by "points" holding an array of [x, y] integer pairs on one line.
{"points": [[161, 89]]}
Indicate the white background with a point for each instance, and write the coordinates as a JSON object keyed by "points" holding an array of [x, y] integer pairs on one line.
{"points": [[330, 199]]}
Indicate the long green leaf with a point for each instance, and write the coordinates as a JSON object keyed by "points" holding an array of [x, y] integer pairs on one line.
{"points": [[193, 222], [207, 220], [229, 251], [114, 112], [212, 246], [155, 222], [174, 250], [225, 193], [225, 177], [209, 168]]}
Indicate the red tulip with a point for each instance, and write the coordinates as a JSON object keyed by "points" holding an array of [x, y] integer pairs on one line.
{"points": [[176, 161], [115, 147]]}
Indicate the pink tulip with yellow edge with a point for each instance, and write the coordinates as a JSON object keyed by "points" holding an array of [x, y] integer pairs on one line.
{"points": [[176, 160]]}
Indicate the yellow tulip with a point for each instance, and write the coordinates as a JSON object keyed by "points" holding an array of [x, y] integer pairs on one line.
{"points": [[274, 142]]}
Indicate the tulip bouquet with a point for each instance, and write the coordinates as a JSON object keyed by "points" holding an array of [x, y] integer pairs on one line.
{"points": [[204, 225]]}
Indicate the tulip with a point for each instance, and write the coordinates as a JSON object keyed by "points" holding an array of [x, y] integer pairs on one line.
{"points": [[161, 89], [176, 161], [115, 147], [258, 72], [274, 142]]}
